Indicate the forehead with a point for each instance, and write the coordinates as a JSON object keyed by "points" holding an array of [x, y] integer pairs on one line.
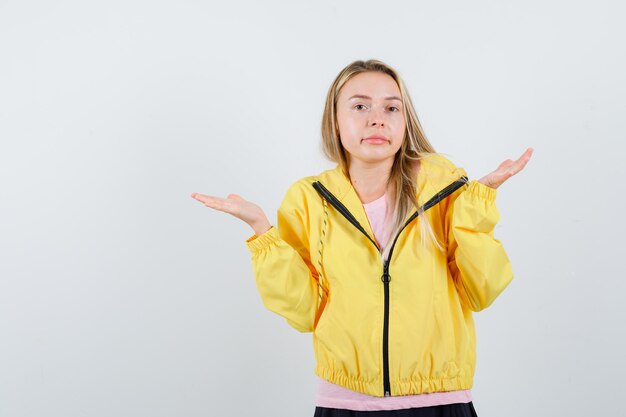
{"points": [[377, 85]]}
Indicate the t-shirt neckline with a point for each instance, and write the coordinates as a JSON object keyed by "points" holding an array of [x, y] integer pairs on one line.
{"points": [[378, 202]]}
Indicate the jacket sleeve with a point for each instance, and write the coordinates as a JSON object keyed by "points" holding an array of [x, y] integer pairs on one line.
{"points": [[285, 277], [479, 265]]}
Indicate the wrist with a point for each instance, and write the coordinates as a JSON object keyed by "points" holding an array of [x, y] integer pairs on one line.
{"points": [[261, 226], [482, 190]]}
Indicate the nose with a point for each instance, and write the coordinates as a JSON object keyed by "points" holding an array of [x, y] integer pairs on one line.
{"points": [[376, 118]]}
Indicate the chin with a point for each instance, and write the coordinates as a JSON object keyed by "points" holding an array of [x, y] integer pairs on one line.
{"points": [[373, 159]]}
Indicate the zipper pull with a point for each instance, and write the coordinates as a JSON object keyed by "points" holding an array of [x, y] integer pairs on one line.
{"points": [[387, 394], [385, 277]]}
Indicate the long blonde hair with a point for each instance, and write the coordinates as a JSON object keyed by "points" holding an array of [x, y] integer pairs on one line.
{"points": [[415, 146]]}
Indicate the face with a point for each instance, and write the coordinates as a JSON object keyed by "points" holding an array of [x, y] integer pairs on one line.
{"points": [[369, 105]]}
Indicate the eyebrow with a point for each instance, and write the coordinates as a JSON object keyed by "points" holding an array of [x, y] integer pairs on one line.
{"points": [[369, 98]]}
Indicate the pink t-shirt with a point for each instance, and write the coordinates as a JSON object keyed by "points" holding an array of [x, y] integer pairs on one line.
{"points": [[335, 396]]}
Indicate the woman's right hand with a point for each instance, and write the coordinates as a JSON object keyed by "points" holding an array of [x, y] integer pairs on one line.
{"points": [[238, 207]]}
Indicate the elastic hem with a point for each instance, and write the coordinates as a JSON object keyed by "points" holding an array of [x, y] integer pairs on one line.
{"points": [[257, 243], [480, 190], [404, 387], [374, 388], [426, 386]]}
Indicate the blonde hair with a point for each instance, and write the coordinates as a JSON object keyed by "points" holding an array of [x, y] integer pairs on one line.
{"points": [[415, 146]]}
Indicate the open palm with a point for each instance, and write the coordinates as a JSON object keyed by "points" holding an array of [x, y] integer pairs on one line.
{"points": [[506, 170], [238, 207]]}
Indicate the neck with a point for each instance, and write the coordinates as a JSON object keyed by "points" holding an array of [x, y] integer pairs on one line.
{"points": [[370, 179]]}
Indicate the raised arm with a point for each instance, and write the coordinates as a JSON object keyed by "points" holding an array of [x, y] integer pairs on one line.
{"points": [[285, 277], [479, 265]]}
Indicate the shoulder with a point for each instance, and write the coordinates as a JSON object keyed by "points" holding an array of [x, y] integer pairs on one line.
{"points": [[435, 173], [439, 169], [302, 185], [333, 179], [300, 193], [438, 163]]}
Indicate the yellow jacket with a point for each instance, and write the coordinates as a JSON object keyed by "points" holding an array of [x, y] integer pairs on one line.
{"points": [[397, 327]]}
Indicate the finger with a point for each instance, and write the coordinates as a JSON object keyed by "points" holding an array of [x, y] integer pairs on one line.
{"points": [[501, 173], [227, 205], [525, 156], [222, 204], [521, 162], [236, 197], [518, 165], [204, 197], [200, 197], [504, 164], [209, 199]]}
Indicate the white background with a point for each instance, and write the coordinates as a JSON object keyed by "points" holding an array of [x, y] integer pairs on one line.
{"points": [[120, 295]]}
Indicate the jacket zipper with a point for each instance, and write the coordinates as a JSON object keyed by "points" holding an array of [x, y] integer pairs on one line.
{"points": [[386, 278]]}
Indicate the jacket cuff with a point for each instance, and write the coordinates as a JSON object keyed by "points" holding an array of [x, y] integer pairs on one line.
{"points": [[257, 243], [480, 190]]}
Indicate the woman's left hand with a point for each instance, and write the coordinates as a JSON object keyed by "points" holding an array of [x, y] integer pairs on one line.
{"points": [[506, 170]]}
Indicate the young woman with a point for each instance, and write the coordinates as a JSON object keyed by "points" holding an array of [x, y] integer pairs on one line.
{"points": [[384, 258]]}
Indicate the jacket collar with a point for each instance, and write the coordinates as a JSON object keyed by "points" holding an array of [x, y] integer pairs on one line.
{"points": [[432, 178]]}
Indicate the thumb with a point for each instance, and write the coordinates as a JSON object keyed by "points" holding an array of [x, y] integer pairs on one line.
{"points": [[235, 197], [505, 164]]}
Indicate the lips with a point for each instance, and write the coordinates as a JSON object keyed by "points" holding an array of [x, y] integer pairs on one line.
{"points": [[376, 139]]}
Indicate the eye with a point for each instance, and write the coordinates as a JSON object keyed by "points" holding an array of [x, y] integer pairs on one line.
{"points": [[358, 106], [394, 107]]}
